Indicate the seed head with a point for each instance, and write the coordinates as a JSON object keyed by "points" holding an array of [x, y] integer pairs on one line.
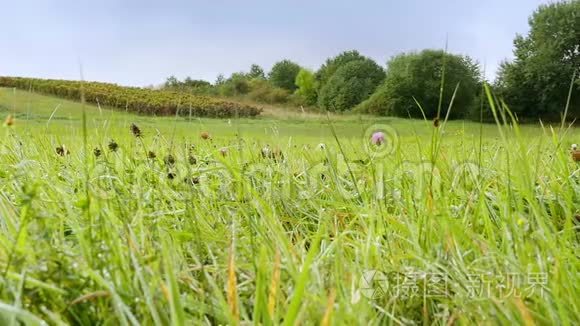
{"points": [[135, 130], [113, 146], [97, 152], [62, 151], [436, 122], [224, 151], [205, 135], [151, 155], [9, 121]]}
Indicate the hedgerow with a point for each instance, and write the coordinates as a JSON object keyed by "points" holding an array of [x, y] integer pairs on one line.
{"points": [[134, 99]]}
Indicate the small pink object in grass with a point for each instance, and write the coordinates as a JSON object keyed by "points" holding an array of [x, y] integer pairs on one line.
{"points": [[378, 138]]}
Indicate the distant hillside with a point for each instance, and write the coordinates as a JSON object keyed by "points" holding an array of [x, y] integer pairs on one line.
{"points": [[134, 99]]}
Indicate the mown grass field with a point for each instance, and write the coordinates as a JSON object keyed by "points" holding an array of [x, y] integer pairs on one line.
{"points": [[461, 224]]}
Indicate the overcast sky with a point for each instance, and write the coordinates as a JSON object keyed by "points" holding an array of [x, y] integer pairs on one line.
{"points": [[142, 42]]}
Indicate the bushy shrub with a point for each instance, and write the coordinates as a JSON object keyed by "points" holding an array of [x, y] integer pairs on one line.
{"points": [[264, 92], [351, 84], [238, 84], [418, 76]]}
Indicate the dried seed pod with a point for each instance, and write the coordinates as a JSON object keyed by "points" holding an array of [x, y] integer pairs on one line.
{"points": [[62, 151], [9, 120], [575, 153], [135, 130], [576, 156], [113, 146]]}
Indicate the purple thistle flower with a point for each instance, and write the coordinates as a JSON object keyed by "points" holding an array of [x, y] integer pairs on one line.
{"points": [[378, 138]]}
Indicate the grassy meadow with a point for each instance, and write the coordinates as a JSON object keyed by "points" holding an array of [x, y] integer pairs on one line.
{"points": [[287, 218]]}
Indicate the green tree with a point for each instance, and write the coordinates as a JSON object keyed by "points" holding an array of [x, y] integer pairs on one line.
{"points": [[171, 82], [331, 65], [536, 83], [352, 83], [220, 79], [283, 74], [306, 86], [195, 83], [237, 84], [256, 72], [418, 76]]}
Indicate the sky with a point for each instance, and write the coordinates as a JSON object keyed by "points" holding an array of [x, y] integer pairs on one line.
{"points": [[141, 43]]}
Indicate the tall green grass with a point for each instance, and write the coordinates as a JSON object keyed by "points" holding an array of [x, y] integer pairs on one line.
{"points": [[456, 224]]}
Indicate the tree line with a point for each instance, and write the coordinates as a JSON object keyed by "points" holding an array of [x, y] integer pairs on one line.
{"points": [[539, 83]]}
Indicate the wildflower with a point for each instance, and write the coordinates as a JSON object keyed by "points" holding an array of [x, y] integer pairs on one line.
{"points": [[169, 160], [9, 121], [378, 138], [205, 135], [113, 146], [135, 130], [151, 155], [62, 151], [97, 152], [224, 151]]}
